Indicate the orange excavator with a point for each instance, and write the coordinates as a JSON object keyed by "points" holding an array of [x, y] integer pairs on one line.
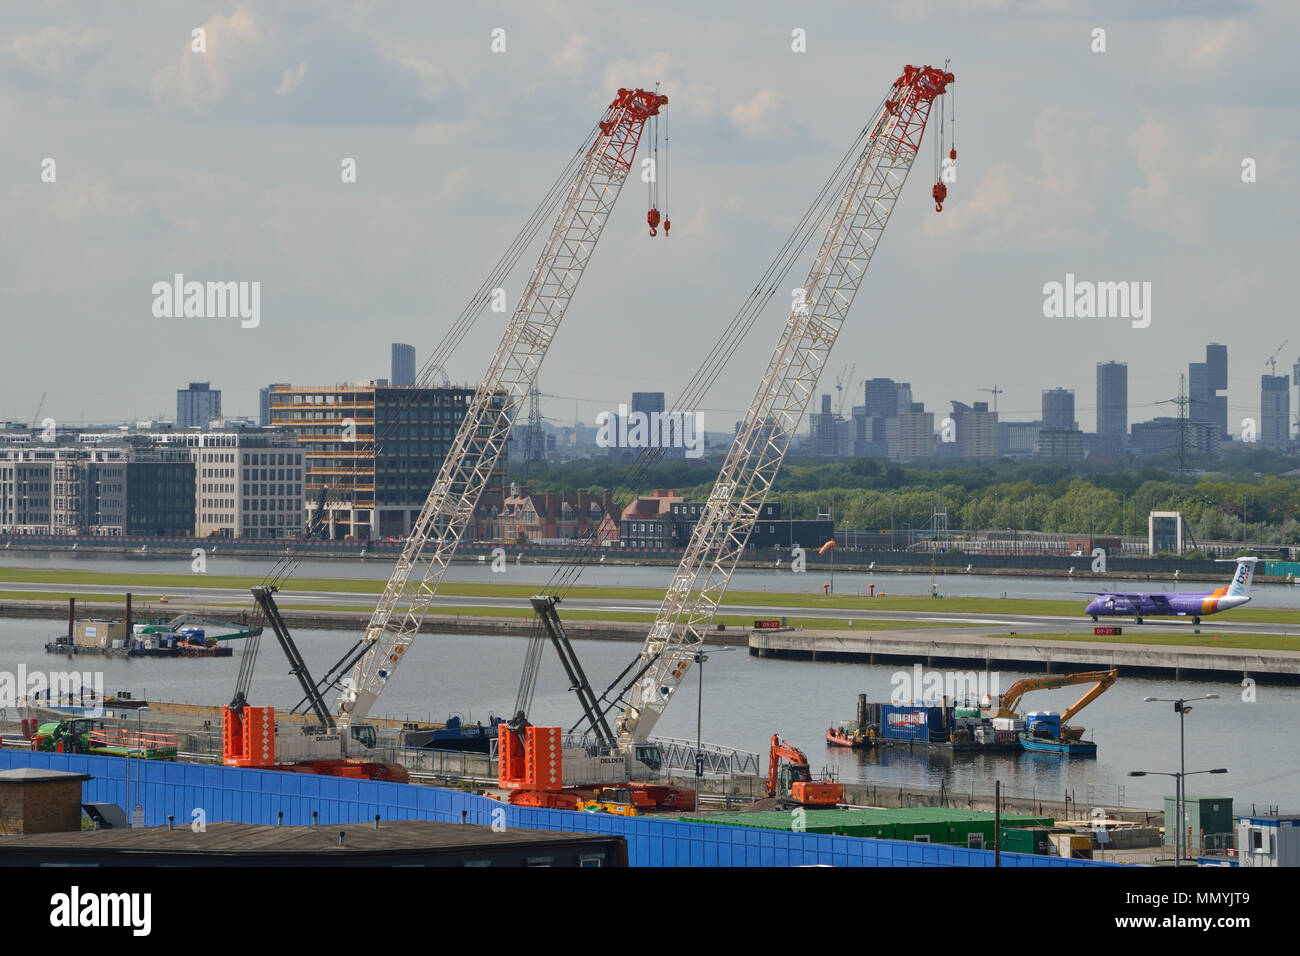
{"points": [[1101, 681], [788, 773]]}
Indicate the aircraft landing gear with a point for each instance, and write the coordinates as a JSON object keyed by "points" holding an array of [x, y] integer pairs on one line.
{"points": [[1196, 620], [1094, 617], [1137, 620]]}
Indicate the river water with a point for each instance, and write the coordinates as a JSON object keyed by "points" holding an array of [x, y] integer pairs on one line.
{"points": [[746, 699]]}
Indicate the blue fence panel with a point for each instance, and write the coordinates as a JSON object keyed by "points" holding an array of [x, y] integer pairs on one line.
{"points": [[259, 796]]}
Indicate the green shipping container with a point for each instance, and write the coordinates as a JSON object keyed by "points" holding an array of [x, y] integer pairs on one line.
{"points": [[1016, 840], [931, 824]]}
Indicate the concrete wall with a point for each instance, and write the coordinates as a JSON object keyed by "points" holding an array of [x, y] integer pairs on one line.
{"points": [[257, 796]]}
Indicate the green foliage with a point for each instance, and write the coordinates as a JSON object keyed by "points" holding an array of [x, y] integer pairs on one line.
{"points": [[1056, 497]]}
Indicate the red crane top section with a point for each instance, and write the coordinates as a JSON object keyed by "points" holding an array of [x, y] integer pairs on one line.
{"points": [[623, 123], [908, 106]]}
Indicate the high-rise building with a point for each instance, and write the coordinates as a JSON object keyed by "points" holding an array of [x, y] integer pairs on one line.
{"points": [[976, 430], [1164, 435], [403, 371], [885, 398], [197, 405], [1061, 443], [1058, 410], [915, 433], [1112, 405], [1205, 380], [1216, 381], [375, 493], [264, 403], [1198, 392], [1018, 439], [648, 402], [1275, 411]]}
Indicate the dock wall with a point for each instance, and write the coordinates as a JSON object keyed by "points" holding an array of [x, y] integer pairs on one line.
{"points": [[1179, 662]]}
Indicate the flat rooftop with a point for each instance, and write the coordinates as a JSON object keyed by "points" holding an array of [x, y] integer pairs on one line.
{"points": [[314, 845]]}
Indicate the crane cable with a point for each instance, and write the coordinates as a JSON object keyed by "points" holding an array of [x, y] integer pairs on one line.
{"points": [[774, 275], [469, 315], [711, 368], [791, 250]]}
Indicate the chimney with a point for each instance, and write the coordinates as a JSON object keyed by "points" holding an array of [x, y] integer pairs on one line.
{"points": [[72, 605], [128, 618]]}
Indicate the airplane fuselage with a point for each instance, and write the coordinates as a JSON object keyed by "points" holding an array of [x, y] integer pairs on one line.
{"points": [[1187, 604]]}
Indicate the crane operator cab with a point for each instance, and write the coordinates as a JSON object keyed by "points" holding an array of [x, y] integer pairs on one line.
{"points": [[363, 737], [650, 757]]}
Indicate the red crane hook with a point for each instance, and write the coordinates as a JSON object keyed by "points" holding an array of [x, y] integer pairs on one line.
{"points": [[940, 193], [652, 217]]}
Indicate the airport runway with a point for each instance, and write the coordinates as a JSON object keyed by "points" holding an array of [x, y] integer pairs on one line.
{"points": [[977, 622]]}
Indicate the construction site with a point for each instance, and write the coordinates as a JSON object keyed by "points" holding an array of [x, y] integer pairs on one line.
{"points": [[601, 767]]}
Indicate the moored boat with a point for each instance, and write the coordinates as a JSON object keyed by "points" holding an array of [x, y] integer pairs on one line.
{"points": [[847, 734], [1054, 745]]}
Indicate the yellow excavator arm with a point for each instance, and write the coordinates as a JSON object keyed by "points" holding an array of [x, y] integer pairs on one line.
{"points": [[1093, 693], [1103, 679]]}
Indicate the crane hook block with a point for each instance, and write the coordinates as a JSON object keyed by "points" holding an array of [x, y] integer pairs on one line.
{"points": [[952, 154], [652, 218], [667, 225], [940, 193]]}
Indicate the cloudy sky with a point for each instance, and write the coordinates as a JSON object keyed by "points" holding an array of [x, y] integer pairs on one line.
{"points": [[225, 165]]}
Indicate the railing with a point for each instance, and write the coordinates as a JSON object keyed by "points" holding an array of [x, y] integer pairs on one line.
{"points": [[679, 754], [1219, 843], [131, 741], [469, 765]]}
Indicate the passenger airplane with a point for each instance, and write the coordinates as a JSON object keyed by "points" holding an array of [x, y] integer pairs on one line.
{"points": [[1188, 603]]}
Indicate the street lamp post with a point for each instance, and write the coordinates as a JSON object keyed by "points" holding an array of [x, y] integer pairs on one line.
{"points": [[1178, 788], [130, 809], [700, 658], [1182, 709]]}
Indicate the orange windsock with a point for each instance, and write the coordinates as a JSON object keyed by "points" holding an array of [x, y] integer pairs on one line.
{"points": [[826, 547]]}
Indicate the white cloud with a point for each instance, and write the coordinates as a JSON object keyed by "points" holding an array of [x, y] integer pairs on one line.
{"points": [[53, 50], [433, 80], [759, 117], [696, 99], [573, 56], [291, 79], [1055, 201], [198, 81]]}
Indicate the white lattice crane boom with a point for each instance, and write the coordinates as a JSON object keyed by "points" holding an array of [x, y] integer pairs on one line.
{"points": [[787, 386], [481, 438]]}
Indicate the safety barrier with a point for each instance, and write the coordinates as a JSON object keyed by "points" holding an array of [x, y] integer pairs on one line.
{"points": [[194, 795]]}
